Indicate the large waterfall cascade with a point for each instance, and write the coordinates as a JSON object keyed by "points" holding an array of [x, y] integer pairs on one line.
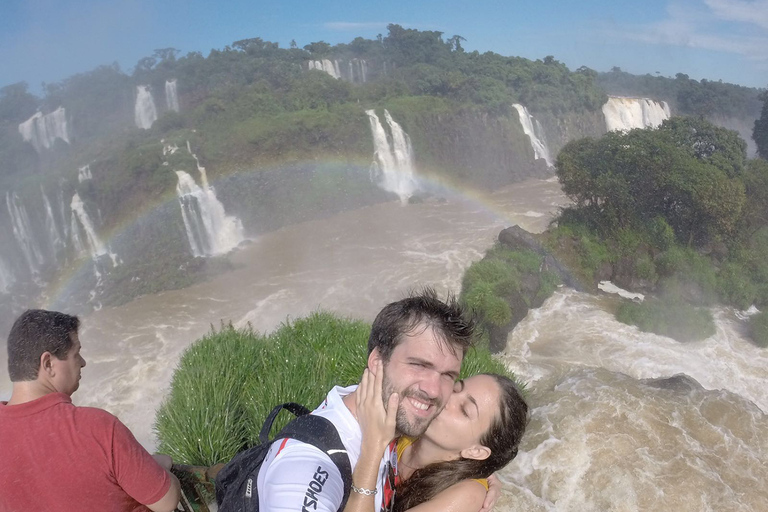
{"points": [[93, 243], [42, 130], [171, 96], [23, 233], [393, 157], [624, 114], [210, 231], [145, 111], [356, 69], [535, 133]]}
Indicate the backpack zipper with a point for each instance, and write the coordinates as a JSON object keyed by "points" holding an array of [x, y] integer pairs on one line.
{"points": [[249, 488]]}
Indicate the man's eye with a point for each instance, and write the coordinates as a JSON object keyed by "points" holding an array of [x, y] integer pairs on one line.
{"points": [[464, 411]]}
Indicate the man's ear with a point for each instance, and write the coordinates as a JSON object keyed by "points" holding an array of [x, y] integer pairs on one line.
{"points": [[46, 364], [476, 452], [373, 358]]}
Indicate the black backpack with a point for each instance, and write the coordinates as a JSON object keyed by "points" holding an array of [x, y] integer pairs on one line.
{"points": [[236, 489]]}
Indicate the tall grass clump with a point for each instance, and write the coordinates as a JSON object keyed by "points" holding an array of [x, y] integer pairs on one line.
{"points": [[227, 382], [668, 316]]}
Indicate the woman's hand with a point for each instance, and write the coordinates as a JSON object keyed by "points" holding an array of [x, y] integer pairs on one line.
{"points": [[376, 422]]}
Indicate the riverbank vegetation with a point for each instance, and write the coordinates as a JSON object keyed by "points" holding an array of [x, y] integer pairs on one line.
{"points": [[227, 382], [678, 211]]}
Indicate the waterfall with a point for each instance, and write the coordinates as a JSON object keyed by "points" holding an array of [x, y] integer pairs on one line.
{"points": [[171, 97], [210, 231], [84, 173], [628, 113], [392, 162], [95, 246], [55, 239], [42, 130], [535, 133], [6, 277], [330, 67], [145, 112], [22, 232]]}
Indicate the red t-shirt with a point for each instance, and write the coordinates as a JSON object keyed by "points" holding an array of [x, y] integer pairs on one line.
{"points": [[55, 457]]}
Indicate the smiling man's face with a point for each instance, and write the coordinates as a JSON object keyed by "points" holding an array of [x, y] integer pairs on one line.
{"points": [[422, 370]]}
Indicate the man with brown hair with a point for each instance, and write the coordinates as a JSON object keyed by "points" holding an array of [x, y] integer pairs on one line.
{"points": [[59, 457]]}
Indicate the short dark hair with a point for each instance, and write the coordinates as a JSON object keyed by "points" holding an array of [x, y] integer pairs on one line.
{"points": [[448, 320], [34, 332]]}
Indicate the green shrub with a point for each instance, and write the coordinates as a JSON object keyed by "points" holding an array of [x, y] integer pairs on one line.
{"points": [[645, 268], [758, 326], [227, 382], [669, 316], [735, 285]]}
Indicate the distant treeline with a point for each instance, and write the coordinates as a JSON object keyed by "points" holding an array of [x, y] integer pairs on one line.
{"points": [[253, 103]]}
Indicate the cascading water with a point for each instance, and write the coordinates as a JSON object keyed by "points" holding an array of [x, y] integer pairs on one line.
{"points": [[535, 133], [145, 112], [55, 238], [330, 67], [6, 277], [210, 231], [42, 130], [392, 162], [171, 96], [625, 114], [616, 408], [84, 173], [23, 234], [93, 244]]}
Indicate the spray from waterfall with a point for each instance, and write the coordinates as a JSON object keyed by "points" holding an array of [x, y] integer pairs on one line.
{"points": [[42, 130], [171, 96], [535, 133], [624, 114], [23, 234], [145, 112], [392, 161], [210, 231]]}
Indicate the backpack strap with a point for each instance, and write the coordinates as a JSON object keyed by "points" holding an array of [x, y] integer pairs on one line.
{"points": [[296, 409], [320, 432]]}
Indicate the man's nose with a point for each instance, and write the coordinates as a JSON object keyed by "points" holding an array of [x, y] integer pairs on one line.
{"points": [[432, 385]]}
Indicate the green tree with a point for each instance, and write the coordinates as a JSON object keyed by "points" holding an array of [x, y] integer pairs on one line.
{"points": [[760, 132], [16, 103]]}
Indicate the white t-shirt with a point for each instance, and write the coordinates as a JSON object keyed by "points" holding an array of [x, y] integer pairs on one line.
{"points": [[298, 477]]}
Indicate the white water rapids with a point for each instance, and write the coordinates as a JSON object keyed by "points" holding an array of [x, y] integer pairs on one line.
{"points": [[602, 437]]}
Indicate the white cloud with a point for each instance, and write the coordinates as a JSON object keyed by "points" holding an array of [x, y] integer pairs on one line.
{"points": [[702, 25], [755, 12]]}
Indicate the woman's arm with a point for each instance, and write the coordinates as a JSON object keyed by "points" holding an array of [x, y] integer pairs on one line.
{"points": [[465, 496], [378, 426]]}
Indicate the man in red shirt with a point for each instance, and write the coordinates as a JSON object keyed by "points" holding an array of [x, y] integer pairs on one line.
{"points": [[58, 457]]}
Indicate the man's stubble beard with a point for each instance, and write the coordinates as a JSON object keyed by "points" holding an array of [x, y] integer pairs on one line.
{"points": [[403, 425]]}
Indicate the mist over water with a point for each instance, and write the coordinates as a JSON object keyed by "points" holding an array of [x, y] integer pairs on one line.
{"points": [[612, 428]]}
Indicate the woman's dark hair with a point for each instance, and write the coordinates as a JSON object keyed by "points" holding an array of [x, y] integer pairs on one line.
{"points": [[503, 438]]}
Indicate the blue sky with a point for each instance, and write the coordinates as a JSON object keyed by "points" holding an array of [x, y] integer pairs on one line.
{"points": [[48, 40]]}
